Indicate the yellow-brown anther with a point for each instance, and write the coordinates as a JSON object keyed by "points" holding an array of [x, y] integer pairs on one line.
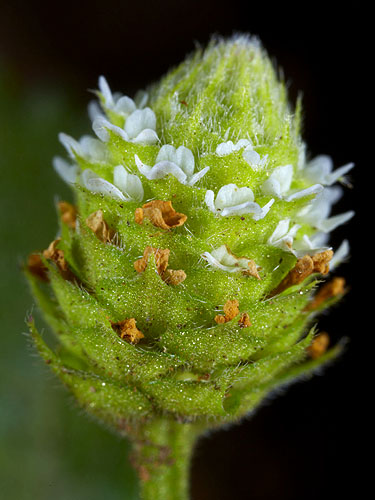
{"points": [[252, 270], [161, 214], [319, 345], [36, 267], [170, 276], [68, 213], [231, 310], [128, 330], [331, 289], [98, 225], [244, 320], [318, 263]]}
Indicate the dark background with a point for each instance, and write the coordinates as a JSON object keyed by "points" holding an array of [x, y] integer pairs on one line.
{"points": [[303, 445]]}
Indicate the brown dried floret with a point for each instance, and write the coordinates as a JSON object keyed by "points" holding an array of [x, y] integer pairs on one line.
{"points": [[318, 263], [68, 213], [244, 320], [36, 267], [170, 276], [161, 214], [319, 345], [98, 225], [231, 310], [128, 330], [161, 259], [331, 289], [173, 277]]}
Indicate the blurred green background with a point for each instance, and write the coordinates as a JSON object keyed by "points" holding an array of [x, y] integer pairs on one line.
{"points": [[47, 450]]}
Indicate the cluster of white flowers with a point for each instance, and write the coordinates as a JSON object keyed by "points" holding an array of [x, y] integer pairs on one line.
{"points": [[139, 122]]}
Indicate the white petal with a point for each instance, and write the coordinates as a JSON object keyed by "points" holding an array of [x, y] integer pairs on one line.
{"points": [[129, 184], [147, 136], [209, 200], [315, 189], [215, 263], [230, 195], [125, 106], [196, 177], [340, 255], [160, 170], [71, 145], [101, 127], [264, 210], [278, 184], [92, 148], [318, 168], [139, 120], [167, 153], [86, 176], [98, 185], [338, 173], [225, 148], [307, 247], [67, 172], [328, 225], [106, 92], [251, 156], [185, 160], [94, 110], [282, 237], [249, 207]]}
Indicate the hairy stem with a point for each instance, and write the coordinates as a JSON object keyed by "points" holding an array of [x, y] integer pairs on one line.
{"points": [[162, 453]]}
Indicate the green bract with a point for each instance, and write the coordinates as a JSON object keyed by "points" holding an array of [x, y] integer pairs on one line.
{"points": [[215, 137]]}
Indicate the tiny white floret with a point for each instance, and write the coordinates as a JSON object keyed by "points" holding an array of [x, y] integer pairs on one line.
{"points": [[65, 170], [178, 162], [223, 259], [232, 200], [283, 237], [320, 169]]}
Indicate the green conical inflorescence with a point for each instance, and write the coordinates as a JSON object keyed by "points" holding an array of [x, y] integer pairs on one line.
{"points": [[182, 289]]}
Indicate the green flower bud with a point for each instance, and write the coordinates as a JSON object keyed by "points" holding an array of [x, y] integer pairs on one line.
{"points": [[183, 287]]}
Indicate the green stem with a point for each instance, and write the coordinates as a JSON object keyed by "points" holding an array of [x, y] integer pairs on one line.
{"points": [[162, 453]]}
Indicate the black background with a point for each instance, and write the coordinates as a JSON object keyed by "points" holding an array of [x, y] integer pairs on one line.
{"points": [[305, 444]]}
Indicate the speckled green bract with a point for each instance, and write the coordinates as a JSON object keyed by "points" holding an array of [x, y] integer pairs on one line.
{"points": [[188, 372]]}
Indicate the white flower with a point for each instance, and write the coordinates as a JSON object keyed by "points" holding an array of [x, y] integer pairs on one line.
{"points": [[316, 213], [310, 246], [283, 237], [65, 170], [129, 184], [278, 184], [223, 259], [253, 158], [232, 200], [87, 147], [126, 187], [340, 255], [178, 162], [139, 127], [117, 103], [320, 169]]}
